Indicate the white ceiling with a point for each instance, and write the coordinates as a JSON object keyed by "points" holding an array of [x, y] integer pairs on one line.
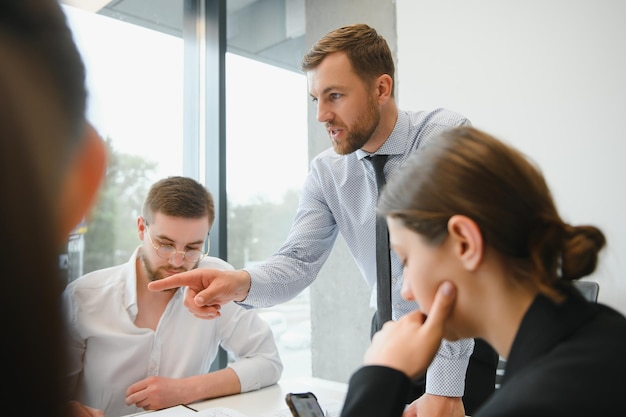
{"points": [[271, 31]]}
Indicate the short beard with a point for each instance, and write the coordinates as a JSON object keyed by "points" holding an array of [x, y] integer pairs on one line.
{"points": [[154, 275], [361, 132]]}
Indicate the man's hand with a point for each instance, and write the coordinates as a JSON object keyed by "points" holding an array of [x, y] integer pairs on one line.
{"points": [[410, 344], [207, 289], [429, 405], [155, 392], [76, 409]]}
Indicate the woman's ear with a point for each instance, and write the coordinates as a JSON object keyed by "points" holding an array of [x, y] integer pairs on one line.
{"points": [[468, 240], [82, 181]]}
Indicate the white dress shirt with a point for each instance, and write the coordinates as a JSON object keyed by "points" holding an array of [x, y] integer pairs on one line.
{"points": [[108, 353]]}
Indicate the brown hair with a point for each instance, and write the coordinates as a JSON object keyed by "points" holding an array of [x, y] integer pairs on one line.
{"points": [[466, 171], [368, 52], [42, 119], [179, 197]]}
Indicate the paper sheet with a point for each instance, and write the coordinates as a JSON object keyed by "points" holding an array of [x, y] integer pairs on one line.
{"points": [[182, 411], [219, 412], [333, 409]]}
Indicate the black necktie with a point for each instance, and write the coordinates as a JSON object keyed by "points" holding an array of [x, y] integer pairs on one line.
{"points": [[383, 259]]}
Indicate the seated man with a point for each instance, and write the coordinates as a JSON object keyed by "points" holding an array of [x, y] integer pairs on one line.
{"points": [[133, 349]]}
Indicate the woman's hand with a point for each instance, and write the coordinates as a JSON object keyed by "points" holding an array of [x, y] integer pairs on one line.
{"points": [[396, 344]]}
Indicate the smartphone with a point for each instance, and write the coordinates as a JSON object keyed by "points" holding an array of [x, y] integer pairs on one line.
{"points": [[304, 404]]}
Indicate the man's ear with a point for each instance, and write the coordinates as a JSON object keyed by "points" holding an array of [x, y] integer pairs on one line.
{"points": [[141, 227], [383, 85], [468, 240], [82, 181]]}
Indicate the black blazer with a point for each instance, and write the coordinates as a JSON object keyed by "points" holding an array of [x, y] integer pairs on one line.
{"points": [[567, 360]]}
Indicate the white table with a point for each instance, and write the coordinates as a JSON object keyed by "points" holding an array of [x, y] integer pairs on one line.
{"points": [[272, 399]]}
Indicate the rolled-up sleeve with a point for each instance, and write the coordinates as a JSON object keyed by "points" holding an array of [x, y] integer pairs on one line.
{"points": [[251, 341]]}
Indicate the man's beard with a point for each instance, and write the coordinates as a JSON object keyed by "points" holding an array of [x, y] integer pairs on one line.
{"points": [[157, 274], [361, 131]]}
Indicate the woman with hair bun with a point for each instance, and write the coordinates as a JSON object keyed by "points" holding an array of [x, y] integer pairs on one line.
{"points": [[486, 255]]}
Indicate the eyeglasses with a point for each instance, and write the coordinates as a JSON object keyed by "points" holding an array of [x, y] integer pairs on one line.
{"points": [[169, 251]]}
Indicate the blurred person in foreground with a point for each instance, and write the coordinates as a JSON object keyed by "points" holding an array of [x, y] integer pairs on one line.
{"points": [[51, 166], [132, 349], [486, 254], [350, 73]]}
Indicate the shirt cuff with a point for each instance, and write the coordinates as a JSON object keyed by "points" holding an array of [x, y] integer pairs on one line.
{"points": [[446, 374]]}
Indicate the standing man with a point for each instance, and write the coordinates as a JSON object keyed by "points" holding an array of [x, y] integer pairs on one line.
{"points": [[350, 75], [132, 349]]}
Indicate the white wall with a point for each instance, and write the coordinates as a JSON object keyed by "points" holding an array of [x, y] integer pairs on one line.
{"points": [[548, 76]]}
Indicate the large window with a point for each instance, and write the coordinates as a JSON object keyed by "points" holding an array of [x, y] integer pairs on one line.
{"points": [[135, 80], [266, 133]]}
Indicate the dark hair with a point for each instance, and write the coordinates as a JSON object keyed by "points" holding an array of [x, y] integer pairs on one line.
{"points": [[179, 197], [368, 52], [466, 171], [42, 117]]}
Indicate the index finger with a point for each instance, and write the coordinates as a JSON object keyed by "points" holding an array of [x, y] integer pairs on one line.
{"points": [[192, 278], [442, 307]]}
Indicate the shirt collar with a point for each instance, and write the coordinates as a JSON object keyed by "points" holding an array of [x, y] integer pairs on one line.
{"points": [[396, 142]]}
